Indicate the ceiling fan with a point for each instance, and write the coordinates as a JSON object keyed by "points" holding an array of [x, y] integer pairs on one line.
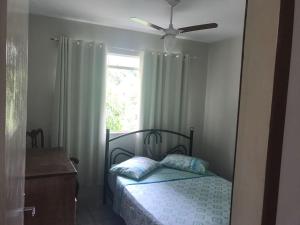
{"points": [[170, 33]]}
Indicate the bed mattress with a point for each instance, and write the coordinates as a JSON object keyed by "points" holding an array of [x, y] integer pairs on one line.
{"points": [[172, 197]]}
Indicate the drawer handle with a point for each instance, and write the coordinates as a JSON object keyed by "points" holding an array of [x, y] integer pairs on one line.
{"points": [[28, 209]]}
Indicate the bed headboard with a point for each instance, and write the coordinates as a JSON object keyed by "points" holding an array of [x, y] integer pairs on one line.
{"points": [[149, 137]]}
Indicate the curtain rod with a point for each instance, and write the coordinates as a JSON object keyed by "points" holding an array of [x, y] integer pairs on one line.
{"points": [[132, 50], [116, 48], [112, 48]]}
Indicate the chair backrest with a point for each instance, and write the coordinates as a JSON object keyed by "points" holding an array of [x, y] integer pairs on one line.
{"points": [[34, 135]]}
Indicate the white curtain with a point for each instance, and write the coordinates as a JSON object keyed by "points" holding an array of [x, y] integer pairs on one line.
{"points": [[164, 98], [78, 118]]}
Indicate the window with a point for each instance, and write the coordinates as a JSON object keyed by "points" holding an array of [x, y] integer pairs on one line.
{"points": [[122, 92]]}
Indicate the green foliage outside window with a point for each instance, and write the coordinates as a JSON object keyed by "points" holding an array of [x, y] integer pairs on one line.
{"points": [[113, 120], [122, 100]]}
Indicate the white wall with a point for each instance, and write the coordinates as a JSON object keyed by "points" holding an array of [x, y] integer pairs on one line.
{"points": [[42, 64], [222, 59], [289, 190], [213, 102], [221, 105]]}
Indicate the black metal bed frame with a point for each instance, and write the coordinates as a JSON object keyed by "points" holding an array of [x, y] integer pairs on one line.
{"points": [[151, 134]]}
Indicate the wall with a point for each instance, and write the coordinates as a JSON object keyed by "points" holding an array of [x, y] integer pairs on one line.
{"points": [[222, 60], [289, 189], [221, 105], [208, 96], [42, 61]]}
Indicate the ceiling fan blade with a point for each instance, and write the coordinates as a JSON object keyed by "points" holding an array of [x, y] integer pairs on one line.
{"points": [[146, 23], [198, 27]]}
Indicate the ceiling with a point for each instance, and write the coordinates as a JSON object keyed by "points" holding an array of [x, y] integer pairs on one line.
{"points": [[229, 14]]}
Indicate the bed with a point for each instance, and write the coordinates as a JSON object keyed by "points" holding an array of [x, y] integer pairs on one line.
{"points": [[166, 196]]}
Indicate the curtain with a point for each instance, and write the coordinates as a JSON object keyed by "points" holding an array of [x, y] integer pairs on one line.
{"points": [[164, 98], [79, 106]]}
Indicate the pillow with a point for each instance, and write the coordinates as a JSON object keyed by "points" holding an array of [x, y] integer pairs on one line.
{"points": [[135, 168], [185, 163]]}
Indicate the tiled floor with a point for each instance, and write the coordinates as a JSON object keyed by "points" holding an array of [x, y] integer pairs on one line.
{"points": [[100, 215]]}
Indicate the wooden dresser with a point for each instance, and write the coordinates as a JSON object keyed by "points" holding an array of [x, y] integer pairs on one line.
{"points": [[49, 187]]}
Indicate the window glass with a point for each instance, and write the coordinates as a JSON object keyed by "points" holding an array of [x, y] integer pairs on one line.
{"points": [[122, 93]]}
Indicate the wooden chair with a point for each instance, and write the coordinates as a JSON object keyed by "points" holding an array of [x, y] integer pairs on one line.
{"points": [[34, 136]]}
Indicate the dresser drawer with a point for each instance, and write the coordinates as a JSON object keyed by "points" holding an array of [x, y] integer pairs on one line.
{"points": [[53, 199], [50, 186]]}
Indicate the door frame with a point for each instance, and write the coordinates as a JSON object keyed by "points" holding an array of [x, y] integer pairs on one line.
{"points": [[279, 103], [256, 203]]}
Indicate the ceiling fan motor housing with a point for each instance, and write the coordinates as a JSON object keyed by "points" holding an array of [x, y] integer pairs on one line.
{"points": [[172, 31], [173, 2]]}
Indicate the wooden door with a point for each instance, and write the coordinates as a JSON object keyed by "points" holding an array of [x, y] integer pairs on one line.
{"points": [[13, 101]]}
